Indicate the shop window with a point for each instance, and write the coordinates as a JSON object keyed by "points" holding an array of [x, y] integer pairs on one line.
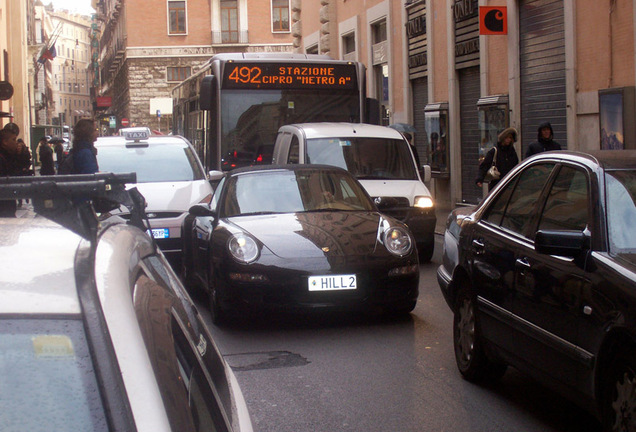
{"points": [[436, 123]]}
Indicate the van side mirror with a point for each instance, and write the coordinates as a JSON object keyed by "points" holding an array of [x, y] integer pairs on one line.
{"points": [[426, 173]]}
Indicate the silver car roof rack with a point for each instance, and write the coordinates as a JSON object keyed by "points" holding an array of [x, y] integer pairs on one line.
{"points": [[73, 201]]}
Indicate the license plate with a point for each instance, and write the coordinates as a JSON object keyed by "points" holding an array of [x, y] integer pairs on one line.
{"points": [[160, 233], [332, 283]]}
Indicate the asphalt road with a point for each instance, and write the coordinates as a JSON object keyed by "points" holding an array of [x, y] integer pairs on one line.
{"points": [[348, 372]]}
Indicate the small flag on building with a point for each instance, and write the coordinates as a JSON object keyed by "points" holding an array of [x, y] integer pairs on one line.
{"points": [[48, 54]]}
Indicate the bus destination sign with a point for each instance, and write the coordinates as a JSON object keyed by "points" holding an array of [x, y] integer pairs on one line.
{"points": [[280, 76]]}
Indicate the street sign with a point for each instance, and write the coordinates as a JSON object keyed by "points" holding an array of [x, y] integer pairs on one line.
{"points": [[125, 122], [113, 122], [159, 113]]}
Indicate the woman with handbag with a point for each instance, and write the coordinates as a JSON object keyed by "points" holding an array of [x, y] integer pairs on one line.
{"points": [[499, 160]]}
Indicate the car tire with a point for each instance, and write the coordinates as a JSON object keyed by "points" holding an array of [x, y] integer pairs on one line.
{"points": [[470, 356], [618, 405], [217, 313], [425, 251], [403, 309]]}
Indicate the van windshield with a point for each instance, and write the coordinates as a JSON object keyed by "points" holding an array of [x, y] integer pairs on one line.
{"points": [[365, 157]]}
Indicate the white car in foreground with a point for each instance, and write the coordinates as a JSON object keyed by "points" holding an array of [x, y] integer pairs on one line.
{"points": [[96, 331]]}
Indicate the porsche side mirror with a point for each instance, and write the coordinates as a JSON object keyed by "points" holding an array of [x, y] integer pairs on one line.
{"points": [[201, 210]]}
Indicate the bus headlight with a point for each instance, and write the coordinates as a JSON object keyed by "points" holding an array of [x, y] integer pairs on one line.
{"points": [[423, 202]]}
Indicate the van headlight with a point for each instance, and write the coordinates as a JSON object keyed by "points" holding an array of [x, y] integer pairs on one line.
{"points": [[423, 202], [243, 248], [398, 241]]}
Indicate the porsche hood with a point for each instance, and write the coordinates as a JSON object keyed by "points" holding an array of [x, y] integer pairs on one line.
{"points": [[312, 234]]}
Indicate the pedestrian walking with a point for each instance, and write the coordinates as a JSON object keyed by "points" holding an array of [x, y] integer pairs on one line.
{"points": [[9, 166], [58, 151], [503, 157], [545, 140], [47, 166], [82, 159]]}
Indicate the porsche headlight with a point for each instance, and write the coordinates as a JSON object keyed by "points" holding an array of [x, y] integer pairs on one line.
{"points": [[243, 248], [398, 241], [423, 202]]}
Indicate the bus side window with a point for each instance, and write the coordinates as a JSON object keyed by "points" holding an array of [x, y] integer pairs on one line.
{"points": [[294, 151]]}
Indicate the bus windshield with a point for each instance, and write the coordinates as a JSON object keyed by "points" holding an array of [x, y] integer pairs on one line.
{"points": [[250, 119]]}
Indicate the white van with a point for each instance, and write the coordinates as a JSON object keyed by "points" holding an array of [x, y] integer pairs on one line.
{"points": [[379, 157]]}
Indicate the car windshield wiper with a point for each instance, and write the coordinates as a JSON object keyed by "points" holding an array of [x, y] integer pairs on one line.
{"points": [[257, 213]]}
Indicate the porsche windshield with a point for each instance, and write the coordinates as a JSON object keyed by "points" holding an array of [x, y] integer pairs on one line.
{"points": [[265, 192], [364, 157]]}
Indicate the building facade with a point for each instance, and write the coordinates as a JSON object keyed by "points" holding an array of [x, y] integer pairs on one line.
{"points": [[14, 88], [569, 62], [70, 77], [149, 46]]}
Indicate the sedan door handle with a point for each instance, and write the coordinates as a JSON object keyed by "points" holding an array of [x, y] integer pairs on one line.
{"points": [[523, 264], [479, 246]]}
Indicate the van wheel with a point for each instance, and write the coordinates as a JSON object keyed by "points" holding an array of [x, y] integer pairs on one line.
{"points": [[470, 356], [618, 404], [425, 253]]}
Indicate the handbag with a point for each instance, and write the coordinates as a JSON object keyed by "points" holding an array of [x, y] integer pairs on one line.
{"points": [[492, 173]]}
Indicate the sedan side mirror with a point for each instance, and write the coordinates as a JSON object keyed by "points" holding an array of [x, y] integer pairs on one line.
{"points": [[562, 243], [201, 210]]}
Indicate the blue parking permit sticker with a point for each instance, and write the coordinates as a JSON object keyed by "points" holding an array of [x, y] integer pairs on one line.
{"points": [[345, 143], [160, 233]]}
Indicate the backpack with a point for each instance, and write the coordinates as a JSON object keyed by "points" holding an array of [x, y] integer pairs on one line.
{"points": [[68, 165]]}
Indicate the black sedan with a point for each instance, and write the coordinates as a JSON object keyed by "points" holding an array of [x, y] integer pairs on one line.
{"points": [[542, 276], [298, 237]]}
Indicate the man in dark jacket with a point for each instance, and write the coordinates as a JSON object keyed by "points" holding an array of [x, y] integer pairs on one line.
{"points": [[9, 166], [46, 158], [545, 141]]}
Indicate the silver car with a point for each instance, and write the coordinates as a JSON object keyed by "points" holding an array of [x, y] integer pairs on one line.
{"points": [[96, 331], [170, 176]]}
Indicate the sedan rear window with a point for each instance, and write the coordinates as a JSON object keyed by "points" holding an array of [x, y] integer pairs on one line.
{"points": [[152, 163], [47, 381]]}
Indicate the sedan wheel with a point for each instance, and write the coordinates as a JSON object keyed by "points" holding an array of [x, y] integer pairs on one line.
{"points": [[620, 405], [469, 354]]}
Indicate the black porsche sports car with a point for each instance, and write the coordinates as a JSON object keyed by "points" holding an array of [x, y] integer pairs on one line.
{"points": [[294, 237]]}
